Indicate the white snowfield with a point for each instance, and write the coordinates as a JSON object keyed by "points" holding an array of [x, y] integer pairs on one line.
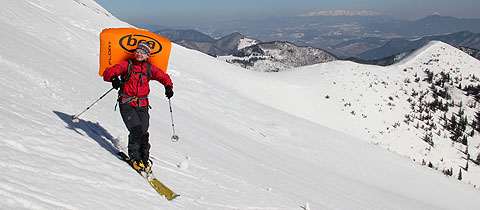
{"points": [[248, 140]]}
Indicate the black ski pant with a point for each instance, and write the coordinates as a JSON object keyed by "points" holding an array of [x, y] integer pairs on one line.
{"points": [[137, 121]]}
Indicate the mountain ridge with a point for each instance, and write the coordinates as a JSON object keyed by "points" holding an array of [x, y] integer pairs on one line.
{"points": [[201, 42], [388, 54], [333, 32], [277, 56]]}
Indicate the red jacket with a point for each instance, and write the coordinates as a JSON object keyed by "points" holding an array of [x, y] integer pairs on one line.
{"points": [[134, 86]]}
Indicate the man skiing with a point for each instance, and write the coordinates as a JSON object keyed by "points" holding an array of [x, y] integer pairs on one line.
{"points": [[133, 100]]}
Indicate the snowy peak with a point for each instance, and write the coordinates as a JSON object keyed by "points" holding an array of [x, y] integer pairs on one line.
{"points": [[246, 42], [441, 52], [341, 13], [234, 42]]}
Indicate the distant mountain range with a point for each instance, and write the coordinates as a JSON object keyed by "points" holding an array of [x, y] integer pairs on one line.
{"points": [[472, 52], [275, 56], [360, 36], [344, 33], [399, 45], [396, 33], [341, 13], [199, 41], [437, 24], [179, 35]]}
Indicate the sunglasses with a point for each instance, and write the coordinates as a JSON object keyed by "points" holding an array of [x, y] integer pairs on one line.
{"points": [[141, 51]]}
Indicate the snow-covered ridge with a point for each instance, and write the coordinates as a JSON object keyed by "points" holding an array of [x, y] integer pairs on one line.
{"points": [[277, 56], [241, 152]]}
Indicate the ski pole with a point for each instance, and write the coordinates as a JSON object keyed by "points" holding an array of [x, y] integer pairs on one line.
{"points": [[75, 117], [174, 136]]}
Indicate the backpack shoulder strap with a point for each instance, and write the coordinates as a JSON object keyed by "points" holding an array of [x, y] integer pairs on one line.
{"points": [[128, 74], [149, 70]]}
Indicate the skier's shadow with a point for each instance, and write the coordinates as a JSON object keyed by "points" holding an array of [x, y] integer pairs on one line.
{"points": [[93, 130]]}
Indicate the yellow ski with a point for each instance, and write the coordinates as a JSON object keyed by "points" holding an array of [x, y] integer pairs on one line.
{"points": [[161, 189]]}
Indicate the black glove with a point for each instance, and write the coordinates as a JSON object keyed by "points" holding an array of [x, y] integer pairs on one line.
{"points": [[168, 91], [116, 83]]}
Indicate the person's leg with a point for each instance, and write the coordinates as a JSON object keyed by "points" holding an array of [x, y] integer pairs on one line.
{"points": [[144, 141], [134, 125]]}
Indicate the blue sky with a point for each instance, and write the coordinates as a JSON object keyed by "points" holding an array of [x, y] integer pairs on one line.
{"points": [[186, 12]]}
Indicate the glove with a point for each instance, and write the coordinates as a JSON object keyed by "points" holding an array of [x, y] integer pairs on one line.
{"points": [[168, 91], [116, 83]]}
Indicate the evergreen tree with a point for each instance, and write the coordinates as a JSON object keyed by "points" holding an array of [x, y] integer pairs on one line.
{"points": [[465, 140], [477, 161], [429, 77], [445, 119], [476, 125], [447, 172], [453, 123], [468, 158], [428, 138]]}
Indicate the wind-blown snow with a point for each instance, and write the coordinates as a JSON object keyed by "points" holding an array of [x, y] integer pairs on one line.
{"points": [[243, 144]]}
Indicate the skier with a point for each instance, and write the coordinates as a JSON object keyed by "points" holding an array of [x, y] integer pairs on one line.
{"points": [[133, 100]]}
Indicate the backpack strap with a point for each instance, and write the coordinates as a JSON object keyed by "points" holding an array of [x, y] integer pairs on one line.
{"points": [[124, 78], [149, 70], [128, 74]]}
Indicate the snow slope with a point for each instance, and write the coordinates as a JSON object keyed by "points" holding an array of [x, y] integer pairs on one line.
{"points": [[241, 146], [370, 102]]}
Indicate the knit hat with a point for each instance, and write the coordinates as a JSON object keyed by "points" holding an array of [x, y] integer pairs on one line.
{"points": [[145, 47]]}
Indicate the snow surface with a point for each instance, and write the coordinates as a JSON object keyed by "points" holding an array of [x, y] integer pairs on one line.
{"points": [[246, 138]]}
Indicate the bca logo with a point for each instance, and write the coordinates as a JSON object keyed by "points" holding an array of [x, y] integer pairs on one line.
{"points": [[130, 42]]}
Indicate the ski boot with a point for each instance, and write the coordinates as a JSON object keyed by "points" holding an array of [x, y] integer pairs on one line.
{"points": [[142, 166], [138, 165], [147, 166]]}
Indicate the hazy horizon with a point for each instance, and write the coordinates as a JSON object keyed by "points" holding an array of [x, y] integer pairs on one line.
{"points": [[192, 12]]}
